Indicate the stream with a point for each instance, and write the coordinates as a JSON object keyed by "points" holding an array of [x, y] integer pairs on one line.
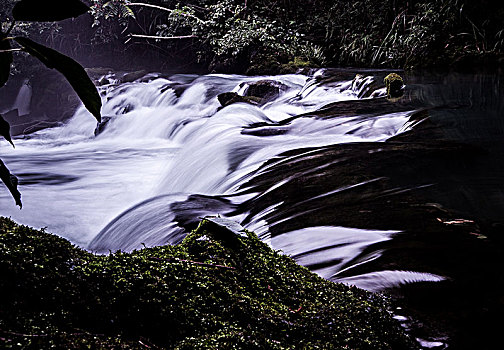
{"points": [[400, 196]]}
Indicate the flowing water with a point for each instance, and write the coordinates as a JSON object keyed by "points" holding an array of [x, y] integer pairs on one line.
{"points": [[401, 196]]}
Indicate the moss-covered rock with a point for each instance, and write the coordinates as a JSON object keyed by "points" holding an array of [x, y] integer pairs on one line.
{"points": [[394, 84], [201, 294], [265, 64]]}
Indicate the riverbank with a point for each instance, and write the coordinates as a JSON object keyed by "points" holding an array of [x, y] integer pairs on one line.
{"points": [[256, 37], [217, 289]]}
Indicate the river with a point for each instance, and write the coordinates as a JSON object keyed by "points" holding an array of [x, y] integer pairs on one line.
{"points": [[404, 196]]}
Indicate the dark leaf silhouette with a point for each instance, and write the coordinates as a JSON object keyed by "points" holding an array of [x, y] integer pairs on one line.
{"points": [[5, 60], [48, 10], [73, 72], [11, 182], [5, 130]]}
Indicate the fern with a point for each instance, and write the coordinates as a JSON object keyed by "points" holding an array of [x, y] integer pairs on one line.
{"points": [[118, 9]]}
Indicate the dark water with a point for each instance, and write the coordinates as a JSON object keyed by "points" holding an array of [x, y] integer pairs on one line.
{"points": [[404, 197]]}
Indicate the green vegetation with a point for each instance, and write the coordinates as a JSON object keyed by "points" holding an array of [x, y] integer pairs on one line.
{"points": [[236, 35], [394, 84], [265, 37], [209, 292]]}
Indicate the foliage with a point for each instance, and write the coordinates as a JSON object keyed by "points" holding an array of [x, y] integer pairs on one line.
{"points": [[49, 10], [205, 293], [73, 71], [226, 31], [236, 34], [410, 34], [110, 18]]}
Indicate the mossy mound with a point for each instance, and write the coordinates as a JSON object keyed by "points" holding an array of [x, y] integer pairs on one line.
{"points": [[206, 293], [394, 84]]}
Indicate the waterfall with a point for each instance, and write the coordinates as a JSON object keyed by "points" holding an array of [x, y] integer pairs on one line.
{"points": [[168, 153], [363, 190]]}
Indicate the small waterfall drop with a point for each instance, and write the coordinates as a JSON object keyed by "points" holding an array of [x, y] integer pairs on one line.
{"points": [[167, 154], [377, 193]]}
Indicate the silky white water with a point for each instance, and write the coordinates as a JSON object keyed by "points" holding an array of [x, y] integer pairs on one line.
{"points": [[425, 206], [161, 146]]}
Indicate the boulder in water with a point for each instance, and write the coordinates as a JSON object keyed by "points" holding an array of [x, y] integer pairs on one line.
{"points": [[257, 93], [101, 125], [228, 98], [132, 76], [394, 84], [103, 81], [266, 90], [364, 86]]}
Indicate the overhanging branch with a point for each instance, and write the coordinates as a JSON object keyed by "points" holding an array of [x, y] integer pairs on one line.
{"points": [[162, 37], [11, 50], [163, 9]]}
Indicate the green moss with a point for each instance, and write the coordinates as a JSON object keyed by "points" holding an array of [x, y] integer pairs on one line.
{"points": [[394, 84], [264, 64], [205, 293], [296, 65]]}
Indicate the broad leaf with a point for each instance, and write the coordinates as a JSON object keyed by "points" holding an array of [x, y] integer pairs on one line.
{"points": [[11, 182], [73, 72], [5, 60], [48, 10], [5, 130]]}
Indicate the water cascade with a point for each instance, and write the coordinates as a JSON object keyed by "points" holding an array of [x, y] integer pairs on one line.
{"points": [[350, 184]]}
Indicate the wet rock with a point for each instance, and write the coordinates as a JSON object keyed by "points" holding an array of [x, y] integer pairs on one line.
{"points": [[257, 93], [103, 81], [364, 86], [47, 101], [224, 230], [100, 127], [178, 88], [97, 72], [228, 98], [394, 84], [271, 130], [266, 90], [132, 76]]}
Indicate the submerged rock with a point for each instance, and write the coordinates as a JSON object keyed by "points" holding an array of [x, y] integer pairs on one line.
{"points": [[364, 86], [207, 294]]}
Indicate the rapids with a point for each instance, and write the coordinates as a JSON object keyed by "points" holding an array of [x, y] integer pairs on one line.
{"points": [[157, 143], [385, 195]]}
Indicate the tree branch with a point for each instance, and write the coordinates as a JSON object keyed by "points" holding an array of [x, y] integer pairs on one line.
{"points": [[46, 335], [162, 37], [11, 50], [163, 9], [10, 28]]}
